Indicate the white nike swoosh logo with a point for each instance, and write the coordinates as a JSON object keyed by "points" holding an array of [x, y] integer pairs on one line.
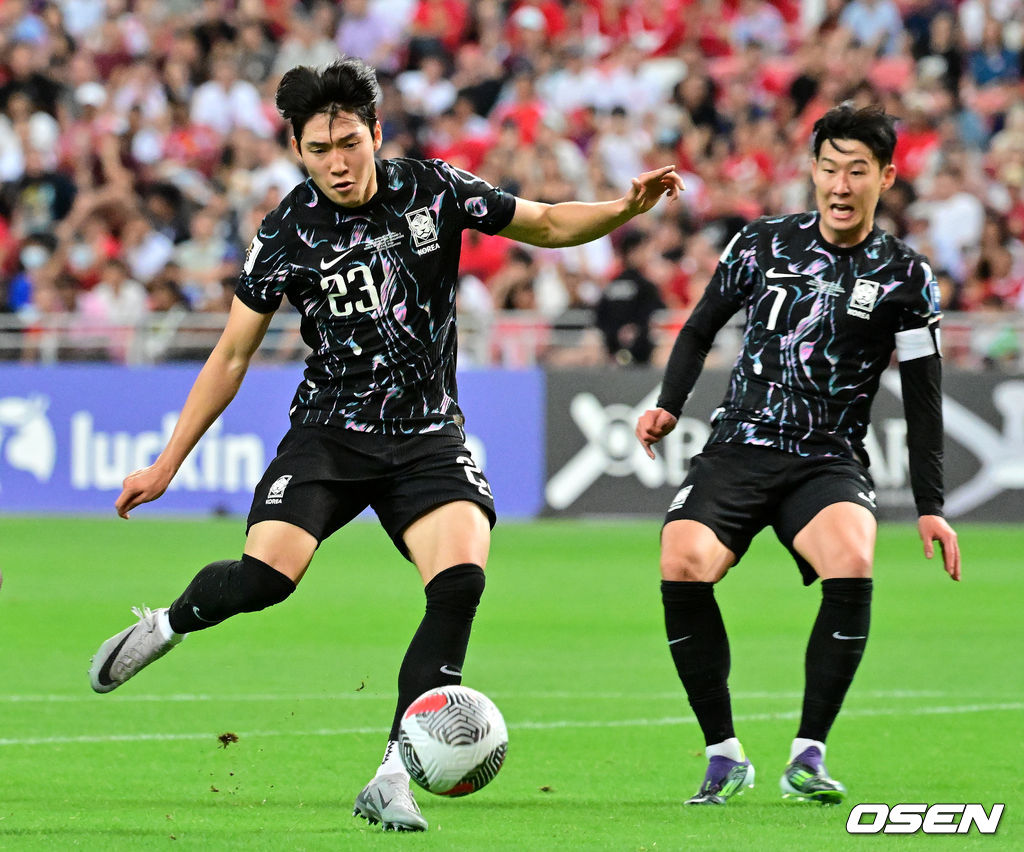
{"points": [[336, 261], [680, 639], [772, 273], [838, 635], [452, 672]]}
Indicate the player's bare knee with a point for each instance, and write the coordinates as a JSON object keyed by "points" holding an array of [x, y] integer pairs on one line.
{"points": [[689, 567], [850, 563]]}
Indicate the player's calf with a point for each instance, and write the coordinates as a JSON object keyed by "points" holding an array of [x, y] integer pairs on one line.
{"points": [[226, 588], [217, 592]]}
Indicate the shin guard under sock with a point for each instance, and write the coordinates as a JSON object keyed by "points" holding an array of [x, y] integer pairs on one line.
{"points": [[700, 650], [226, 588], [438, 649], [834, 651]]}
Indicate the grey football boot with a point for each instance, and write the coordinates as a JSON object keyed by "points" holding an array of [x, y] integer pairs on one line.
{"points": [[126, 654], [388, 800]]}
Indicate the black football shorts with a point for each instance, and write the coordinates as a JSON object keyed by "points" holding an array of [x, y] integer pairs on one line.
{"points": [[323, 476], [739, 489]]}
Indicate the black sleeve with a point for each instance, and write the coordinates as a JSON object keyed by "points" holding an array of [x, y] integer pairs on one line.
{"points": [[692, 347], [921, 379], [484, 208]]}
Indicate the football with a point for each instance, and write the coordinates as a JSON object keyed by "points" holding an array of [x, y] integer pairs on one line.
{"points": [[452, 740]]}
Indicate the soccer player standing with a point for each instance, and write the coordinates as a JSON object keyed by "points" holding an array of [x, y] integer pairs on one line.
{"points": [[367, 250], [827, 297]]}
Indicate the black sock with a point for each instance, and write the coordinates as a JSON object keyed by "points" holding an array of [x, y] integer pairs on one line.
{"points": [[226, 588], [700, 650], [438, 649], [834, 651]]}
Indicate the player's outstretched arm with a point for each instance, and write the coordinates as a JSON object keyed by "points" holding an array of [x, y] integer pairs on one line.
{"points": [[214, 387], [653, 425], [570, 223], [934, 528]]}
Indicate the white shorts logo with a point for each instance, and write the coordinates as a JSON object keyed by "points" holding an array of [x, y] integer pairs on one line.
{"points": [[680, 498], [276, 493]]}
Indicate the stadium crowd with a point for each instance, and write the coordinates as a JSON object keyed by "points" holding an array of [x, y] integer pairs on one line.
{"points": [[140, 147]]}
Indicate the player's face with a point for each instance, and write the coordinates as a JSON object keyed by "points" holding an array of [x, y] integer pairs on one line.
{"points": [[847, 183], [338, 154]]}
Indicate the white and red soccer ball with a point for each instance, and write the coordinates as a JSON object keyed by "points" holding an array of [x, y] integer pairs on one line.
{"points": [[452, 740]]}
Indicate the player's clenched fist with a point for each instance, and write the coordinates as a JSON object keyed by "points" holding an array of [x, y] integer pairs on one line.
{"points": [[653, 425]]}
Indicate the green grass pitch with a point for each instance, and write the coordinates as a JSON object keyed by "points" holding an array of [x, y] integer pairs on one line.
{"points": [[568, 641]]}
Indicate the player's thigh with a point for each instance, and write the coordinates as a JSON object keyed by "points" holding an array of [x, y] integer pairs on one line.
{"points": [[451, 534], [829, 521], [725, 500], [307, 492], [283, 546], [691, 552], [839, 541], [437, 505]]}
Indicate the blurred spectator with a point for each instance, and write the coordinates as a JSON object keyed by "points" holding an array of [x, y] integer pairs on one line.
{"points": [[114, 307], [145, 249], [630, 299], [367, 31], [23, 64], [520, 105], [478, 77], [225, 101], [257, 51], [117, 299], [167, 309], [40, 198], [874, 23], [89, 248], [512, 284], [437, 26], [992, 61], [918, 139], [82, 16], [205, 259], [757, 22], [35, 270], [426, 91], [308, 41], [940, 54], [956, 218], [620, 148]]}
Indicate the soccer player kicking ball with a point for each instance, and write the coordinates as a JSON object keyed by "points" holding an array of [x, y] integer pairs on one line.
{"points": [[827, 297], [368, 252]]}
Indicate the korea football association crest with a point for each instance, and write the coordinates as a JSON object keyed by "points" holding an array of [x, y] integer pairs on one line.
{"points": [[863, 298], [423, 230], [275, 496]]}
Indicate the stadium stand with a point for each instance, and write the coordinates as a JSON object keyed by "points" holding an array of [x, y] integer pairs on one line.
{"points": [[140, 148]]}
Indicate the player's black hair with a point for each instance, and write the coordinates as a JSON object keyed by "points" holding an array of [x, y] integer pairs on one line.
{"points": [[347, 85], [871, 125]]}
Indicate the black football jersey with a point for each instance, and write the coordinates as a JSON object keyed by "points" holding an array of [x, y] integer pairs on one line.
{"points": [[822, 323], [376, 286]]}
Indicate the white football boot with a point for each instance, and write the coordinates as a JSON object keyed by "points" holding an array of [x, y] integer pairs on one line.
{"points": [[130, 651]]}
